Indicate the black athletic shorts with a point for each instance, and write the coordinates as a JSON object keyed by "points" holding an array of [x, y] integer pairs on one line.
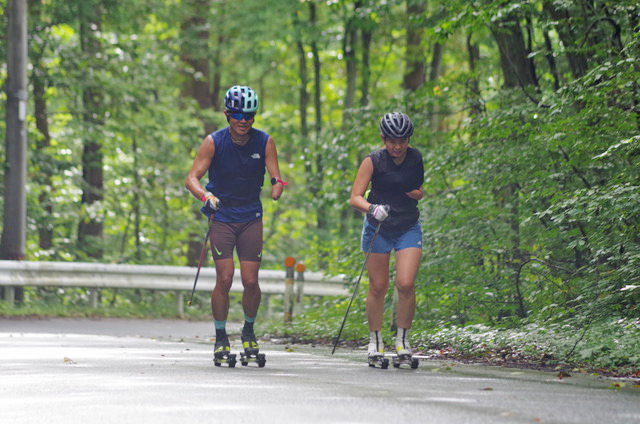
{"points": [[246, 237]]}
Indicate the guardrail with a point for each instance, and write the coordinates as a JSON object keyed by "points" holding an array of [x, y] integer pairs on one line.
{"points": [[95, 276]]}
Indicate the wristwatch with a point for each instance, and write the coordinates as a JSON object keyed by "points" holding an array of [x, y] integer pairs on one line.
{"points": [[275, 180]]}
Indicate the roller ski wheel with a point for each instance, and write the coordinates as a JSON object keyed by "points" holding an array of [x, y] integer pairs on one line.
{"points": [[405, 359], [226, 358], [378, 361], [222, 354], [259, 359]]}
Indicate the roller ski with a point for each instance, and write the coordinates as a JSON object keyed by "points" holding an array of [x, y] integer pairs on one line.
{"points": [[251, 351], [375, 352], [222, 353], [403, 354], [378, 360], [404, 357]]}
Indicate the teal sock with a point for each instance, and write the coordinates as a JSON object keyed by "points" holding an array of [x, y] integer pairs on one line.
{"points": [[221, 331], [248, 325]]}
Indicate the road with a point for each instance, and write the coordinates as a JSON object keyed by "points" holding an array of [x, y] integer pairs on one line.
{"points": [[160, 371]]}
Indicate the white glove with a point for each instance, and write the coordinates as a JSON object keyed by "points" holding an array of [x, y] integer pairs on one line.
{"points": [[379, 212], [211, 202]]}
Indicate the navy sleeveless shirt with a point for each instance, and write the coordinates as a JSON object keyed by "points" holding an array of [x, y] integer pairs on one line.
{"points": [[390, 182], [236, 176]]}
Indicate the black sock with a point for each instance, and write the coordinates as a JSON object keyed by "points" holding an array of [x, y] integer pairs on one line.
{"points": [[221, 334], [247, 329]]}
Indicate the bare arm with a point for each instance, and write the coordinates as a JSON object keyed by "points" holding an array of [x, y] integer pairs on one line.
{"points": [[416, 194], [271, 161], [200, 166], [363, 178]]}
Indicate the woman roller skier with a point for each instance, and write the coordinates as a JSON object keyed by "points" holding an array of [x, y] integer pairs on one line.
{"points": [[396, 174]]}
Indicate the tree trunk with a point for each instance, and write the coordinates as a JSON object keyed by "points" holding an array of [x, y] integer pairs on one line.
{"points": [[514, 61], [473, 96], [317, 92], [304, 80], [367, 36], [217, 62], [551, 60], [317, 179], [434, 73], [137, 230], [414, 75], [195, 55], [42, 158], [349, 51], [90, 228], [518, 72], [578, 61], [12, 245]]}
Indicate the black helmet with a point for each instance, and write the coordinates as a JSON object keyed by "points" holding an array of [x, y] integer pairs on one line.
{"points": [[396, 125]]}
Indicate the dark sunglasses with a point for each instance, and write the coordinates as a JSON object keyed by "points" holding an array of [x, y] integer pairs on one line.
{"points": [[247, 116]]}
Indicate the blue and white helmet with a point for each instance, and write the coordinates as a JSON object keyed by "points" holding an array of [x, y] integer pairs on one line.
{"points": [[396, 125], [240, 98]]}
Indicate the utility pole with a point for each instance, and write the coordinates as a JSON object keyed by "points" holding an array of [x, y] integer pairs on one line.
{"points": [[13, 241]]}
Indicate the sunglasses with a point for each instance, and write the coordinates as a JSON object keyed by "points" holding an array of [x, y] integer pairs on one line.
{"points": [[247, 116]]}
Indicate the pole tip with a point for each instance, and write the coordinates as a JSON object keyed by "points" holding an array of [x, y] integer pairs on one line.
{"points": [[289, 261]]}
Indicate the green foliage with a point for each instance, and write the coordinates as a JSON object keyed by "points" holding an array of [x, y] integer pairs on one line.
{"points": [[610, 345], [532, 208]]}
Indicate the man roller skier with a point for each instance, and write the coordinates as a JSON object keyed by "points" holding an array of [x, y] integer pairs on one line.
{"points": [[396, 174], [235, 158]]}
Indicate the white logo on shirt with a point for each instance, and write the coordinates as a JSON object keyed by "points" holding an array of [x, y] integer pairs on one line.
{"points": [[255, 156]]}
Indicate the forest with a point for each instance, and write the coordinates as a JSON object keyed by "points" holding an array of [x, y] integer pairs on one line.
{"points": [[527, 114]]}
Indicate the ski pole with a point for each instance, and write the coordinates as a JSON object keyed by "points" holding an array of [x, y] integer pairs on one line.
{"points": [[355, 289], [202, 253]]}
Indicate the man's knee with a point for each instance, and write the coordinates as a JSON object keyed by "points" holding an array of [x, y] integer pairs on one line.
{"points": [[224, 281], [250, 284]]}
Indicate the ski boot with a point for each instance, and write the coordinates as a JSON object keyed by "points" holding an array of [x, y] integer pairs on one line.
{"points": [[404, 357], [222, 353], [251, 349], [376, 357]]}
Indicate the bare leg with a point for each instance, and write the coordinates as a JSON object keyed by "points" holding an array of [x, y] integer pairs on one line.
{"points": [[220, 294], [252, 293], [407, 264], [378, 269]]}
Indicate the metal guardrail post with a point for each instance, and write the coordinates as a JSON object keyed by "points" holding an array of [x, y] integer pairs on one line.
{"points": [[10, 294], [289, 262], [180, 300], [93, 298], [297, 306]]}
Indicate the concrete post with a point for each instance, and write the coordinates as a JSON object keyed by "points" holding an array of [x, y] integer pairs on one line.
{"points": [[289, 262], [93, 298], [297, 306], [180, 300]]}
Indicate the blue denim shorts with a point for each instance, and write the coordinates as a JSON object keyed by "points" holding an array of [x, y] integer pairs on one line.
{"points": [[386, 242]]}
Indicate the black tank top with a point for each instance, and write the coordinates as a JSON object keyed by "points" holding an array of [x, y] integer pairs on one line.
{"points": [[390, 182]]}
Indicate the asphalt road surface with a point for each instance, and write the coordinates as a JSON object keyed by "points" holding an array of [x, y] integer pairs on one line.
{"points": [[160, 371]]}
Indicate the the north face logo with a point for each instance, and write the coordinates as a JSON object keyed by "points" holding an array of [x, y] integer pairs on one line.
{"points": [[255, 156]]}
